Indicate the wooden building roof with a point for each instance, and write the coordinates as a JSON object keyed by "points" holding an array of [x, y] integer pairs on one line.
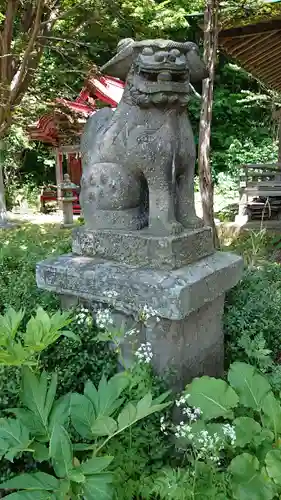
{"points": [[64, 124], [257, 48]]}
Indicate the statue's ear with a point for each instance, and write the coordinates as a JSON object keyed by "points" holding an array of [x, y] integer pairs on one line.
{"points": [[119, 66], [197, 68]]}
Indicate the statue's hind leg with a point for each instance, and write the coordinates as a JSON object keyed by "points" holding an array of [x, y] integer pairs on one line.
{"points": [[110, 197]]}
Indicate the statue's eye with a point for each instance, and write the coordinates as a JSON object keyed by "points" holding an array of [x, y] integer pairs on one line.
{"points": [[175, 53], [148, 51]]}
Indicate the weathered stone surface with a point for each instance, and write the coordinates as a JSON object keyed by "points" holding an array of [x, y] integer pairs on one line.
{"points": [[182, 349], [142, 249], [138, 170], [174, 294], [191, 347], [138, 161]]}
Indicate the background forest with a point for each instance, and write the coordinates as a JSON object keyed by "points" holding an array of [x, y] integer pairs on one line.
{"points": [[86, 34], [120, 439]]}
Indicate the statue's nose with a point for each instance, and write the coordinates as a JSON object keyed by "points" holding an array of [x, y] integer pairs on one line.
{"points": [[161, 56]]}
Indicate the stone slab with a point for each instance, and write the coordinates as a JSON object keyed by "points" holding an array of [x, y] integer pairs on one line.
{"points": [[173, 294], [140, 248]]}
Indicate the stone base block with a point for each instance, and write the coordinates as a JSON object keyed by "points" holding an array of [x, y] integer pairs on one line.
{"points": [[140, 248], [188, 339]]}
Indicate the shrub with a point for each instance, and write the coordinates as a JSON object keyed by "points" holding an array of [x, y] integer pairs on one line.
{"points": [[20, 250], [42, 424], [253, 308], [233, 427]]}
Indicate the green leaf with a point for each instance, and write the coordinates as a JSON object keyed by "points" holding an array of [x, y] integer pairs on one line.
{"points": [[70, 335], [42, 330], [98, 487], [14, 438], [83, 447], [51, 394], [144, 405], [127, 416], [76, 476], [214, 397], [61, 451], [109, 393], [160, 399], [60, 412], [91, 392], [104, 426], [9, 325], [246, 429], [82, 415], [31, 495], [248, 481], [37, 481], [41, 452], [32, 422], [95, 465], [273, 465], [251, 387], [272, 413], [34, 395]]}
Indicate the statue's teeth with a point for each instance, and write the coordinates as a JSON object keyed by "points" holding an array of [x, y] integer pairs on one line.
{"points": [[164, 76]]}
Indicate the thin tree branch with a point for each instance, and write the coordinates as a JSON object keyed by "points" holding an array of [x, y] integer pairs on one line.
{"points": [[74, 42], [17, 80], [6, 37]]}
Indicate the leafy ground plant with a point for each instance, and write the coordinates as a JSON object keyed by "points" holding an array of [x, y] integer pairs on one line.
{"points": [[42, 423], [252, 321], [234, 427]]}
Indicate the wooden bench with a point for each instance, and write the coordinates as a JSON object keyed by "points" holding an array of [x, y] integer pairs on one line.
{"points": [[260, 191]]}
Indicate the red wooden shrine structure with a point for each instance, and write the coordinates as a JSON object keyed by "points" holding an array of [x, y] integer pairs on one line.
{"points": [[62, 128]]}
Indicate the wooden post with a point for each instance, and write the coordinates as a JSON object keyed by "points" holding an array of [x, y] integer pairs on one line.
{"points": [[59, 174], [279, 141], [205, 174]]}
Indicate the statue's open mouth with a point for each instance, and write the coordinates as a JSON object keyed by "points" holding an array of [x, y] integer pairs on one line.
{"points": [[164, 75], [151, 81]]}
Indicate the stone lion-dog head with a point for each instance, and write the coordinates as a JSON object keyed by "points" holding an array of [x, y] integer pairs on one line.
{"points": [[157, 71]]}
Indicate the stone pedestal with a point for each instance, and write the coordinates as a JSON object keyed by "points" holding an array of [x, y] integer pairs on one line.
{"points": [[188, 339], [67, 211], [138, 170]]}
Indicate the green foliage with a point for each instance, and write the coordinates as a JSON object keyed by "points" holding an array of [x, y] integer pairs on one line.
{"points": [[41, 426], [220, 405], [20, 250], [252, 320], [252, 425], [42, 330]]}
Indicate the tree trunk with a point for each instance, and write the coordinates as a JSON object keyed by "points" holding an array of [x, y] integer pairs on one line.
{"points": [[3, 211], [205, 174], [279, 140]]}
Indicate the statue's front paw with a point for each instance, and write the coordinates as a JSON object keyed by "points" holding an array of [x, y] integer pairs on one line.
{"points": [[175, 227]]}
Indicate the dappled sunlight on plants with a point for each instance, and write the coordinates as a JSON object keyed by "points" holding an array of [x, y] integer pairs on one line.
{"points": [[20, 250], [76, 422]]}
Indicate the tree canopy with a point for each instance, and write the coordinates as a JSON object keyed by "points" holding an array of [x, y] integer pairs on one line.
{"points": [[48, 46]]}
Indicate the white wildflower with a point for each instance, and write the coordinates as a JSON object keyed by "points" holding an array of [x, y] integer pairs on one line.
{"points": [[209, 446], [182, 430], [148, 312], [110, 294], [180, 401], [104, 318], [132, 331], [144, 353], [192, 414], [163, 425], [229, 432]]}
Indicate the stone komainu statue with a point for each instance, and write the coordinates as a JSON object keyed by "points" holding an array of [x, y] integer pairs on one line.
{"points": [[138, 161]]}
